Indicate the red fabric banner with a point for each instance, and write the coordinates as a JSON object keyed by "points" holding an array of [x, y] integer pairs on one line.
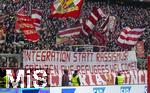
{"points": [[25, 24]]}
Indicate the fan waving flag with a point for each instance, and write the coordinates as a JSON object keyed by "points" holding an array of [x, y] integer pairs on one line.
{"points": [[66, 8], [97, 36], [25, 24], [36, 18], [129, 37], [96, 14], [70, 32], [104, 26]]}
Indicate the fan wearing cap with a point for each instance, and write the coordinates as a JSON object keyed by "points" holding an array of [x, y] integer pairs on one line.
{"points": [[75, 79]]}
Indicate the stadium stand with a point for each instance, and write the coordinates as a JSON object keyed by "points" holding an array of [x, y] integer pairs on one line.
{"points": [[133, 14]]}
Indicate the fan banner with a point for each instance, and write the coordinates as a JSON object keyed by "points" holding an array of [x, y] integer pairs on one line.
{"points": [[95, 68], [25, 24], [106, 61]]}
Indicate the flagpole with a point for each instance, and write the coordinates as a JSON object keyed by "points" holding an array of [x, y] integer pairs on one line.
{"points": [[30, 8], [108, 7]]}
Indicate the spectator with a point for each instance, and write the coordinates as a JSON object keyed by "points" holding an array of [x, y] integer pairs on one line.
{"points": [[65, 78], [75, 80], [119, 79], [130, 14]]}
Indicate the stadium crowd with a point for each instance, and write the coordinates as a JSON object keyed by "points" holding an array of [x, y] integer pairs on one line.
{"points": [[130, 15]]}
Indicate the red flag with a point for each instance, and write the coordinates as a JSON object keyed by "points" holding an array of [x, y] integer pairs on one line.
{"points": [[96, 15], [101, 40], [70, 32], [20, 15], [21, 10], [129, 37], [104, 26], [69, 8], [25, 24], [36, 18], [28, 28], [30, 34]]}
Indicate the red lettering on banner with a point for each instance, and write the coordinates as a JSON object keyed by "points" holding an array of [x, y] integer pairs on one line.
{"points": [[87, 69], [99, 69], [87, 79], [72, 68], [43, 56], [89, 56], [141, 77], [98, 57], [75, 57], [94, 79], [53, 56], [65, 57], [48, 55], [62, 67], [118, 56], [125, 55], [106, 56], [33, 54], [103, 68], [83, 69], [83, 56], [38, 56], [79, 57], [57, 53], [55, 80], [27, 55], [51, 69], [109, 56], [106, 68]]}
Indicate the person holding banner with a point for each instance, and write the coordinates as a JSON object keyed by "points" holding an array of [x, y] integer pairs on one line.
{"points": [[75, 79]]}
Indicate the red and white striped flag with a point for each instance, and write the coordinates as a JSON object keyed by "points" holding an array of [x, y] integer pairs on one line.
{"points": [[129, 37], [108, 25], [70, 32], [21, 11], [97, 36], [25, 24], [104, 26], [20, 14], [96, 15], [36, 18]]}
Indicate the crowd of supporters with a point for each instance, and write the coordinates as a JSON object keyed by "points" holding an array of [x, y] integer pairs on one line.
{"points": [[130, 15]]}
